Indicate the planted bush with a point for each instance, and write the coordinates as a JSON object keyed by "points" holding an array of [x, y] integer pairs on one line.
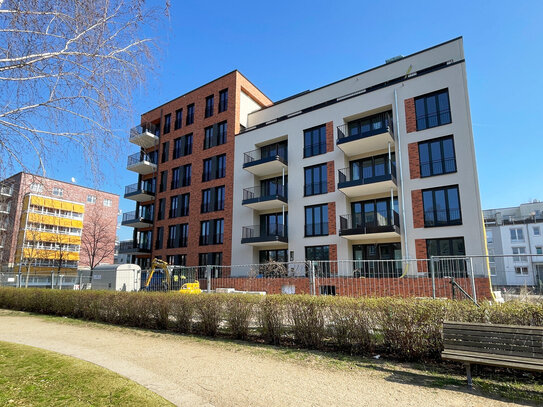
{"points": [[307, 316], [272, 318], [209, 312], [239, 313]]}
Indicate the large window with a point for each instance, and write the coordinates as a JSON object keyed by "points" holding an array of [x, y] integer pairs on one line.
{"points": [[179, 205], [163, 181], [265, 256], [517, 235], [315, 141], [276, 149], [214, 168], [190, 114], [372, 169], [211, 232], [441, 207], [433, 110], [178, 235], [165, 151], [210, 259], [517, 251], [178, 119], [274, 186], [445, 247], [437, 157], [161, 208], [177, 259], [167, 122], [215, 135], [181, 176], [316, 180], [182, 146], [159, 237], [372, 213], [209, 106], [316, 220], [369, 126], [223, 100], [212, 199], [320, 255]]}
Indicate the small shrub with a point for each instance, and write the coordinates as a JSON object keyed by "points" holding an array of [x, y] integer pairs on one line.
{"points": [[239, 313], [209, 311], [271, 316], [307, 315], [182, 311]]}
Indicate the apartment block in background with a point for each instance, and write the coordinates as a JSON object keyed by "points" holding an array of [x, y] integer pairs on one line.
{"points": [[377, 166], [46, 222], [185, 169], [511, 233]]}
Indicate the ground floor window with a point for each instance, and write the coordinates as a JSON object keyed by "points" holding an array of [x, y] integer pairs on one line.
{"points": [[450, 248], [266, 256], [320, 256], [377, 260], [210, 259]]}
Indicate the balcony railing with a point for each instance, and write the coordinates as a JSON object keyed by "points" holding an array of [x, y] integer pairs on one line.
{"points": [[255, 157], [133, 247], [143, 188], [146, 216], [259, 233], [378, 124], [258, 194], [139, 158], [5, 208], [144, 128], [6, 190], [442, 218], [346, 175], [358, 224]]}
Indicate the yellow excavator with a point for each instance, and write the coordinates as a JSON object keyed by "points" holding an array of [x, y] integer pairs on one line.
{"points": [[186, 288]]}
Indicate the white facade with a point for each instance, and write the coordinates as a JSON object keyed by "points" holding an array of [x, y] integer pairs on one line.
{"points": [[351, 99]]}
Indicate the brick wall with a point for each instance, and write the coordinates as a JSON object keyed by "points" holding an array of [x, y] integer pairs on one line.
{"points": [[331, 176], [418, 210], [329, 137], [331, 218], [414, 162], [410, 115]]}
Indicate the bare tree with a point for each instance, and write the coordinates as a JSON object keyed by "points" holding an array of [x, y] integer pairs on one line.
{"points": [[67, 71], [97, 241]]}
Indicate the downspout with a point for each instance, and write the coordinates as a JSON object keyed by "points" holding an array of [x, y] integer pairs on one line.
{"points": [[399, 148]]}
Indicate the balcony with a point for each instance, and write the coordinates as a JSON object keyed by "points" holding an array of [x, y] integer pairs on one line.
{"points": [[6, 190], [134, 248], [257, 235], [133, 220], [4, 226], [5, 208], [141, 163], [261, 199], [366, 135], [145, 135], [353, 184], [383, 229], [139, 192], [265, 164]]}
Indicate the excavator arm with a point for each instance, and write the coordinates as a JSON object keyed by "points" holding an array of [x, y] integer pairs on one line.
{"points": [[161, 264]]}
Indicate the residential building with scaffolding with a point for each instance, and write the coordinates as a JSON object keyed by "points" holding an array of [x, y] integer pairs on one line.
{"points": [[515, 245], [46, 222]]}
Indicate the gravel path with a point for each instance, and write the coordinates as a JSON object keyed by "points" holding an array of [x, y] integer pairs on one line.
{"points": [[192, 372]]}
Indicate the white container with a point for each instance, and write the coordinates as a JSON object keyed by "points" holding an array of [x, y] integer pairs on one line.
{"points": [[116, 277]]}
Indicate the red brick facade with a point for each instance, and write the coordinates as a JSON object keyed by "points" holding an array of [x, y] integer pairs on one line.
{"points": [[414, 162], [410, 115], [418, 211], [333, 252], [331, 218], [331, 176], [235, 83], [420, 249], [329, 137]]}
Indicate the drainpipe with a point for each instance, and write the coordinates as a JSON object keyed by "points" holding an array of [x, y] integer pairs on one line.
{"points": [[399, 148]]}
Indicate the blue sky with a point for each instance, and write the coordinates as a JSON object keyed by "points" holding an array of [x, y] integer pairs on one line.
{"points": [[287, 47]]}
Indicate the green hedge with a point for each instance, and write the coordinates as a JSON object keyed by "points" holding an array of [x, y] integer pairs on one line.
{"points": [[405, 329]]}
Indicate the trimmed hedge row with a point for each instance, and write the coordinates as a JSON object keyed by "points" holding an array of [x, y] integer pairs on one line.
{"points": [[406, 329]]}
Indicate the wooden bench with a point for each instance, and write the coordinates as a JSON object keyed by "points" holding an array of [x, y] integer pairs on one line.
{"points": [[510, 346]]}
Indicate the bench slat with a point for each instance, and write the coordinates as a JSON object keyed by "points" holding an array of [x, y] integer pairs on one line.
{"points": [[484, 360], [497, 334], [499, 351], [494, 327], [494, 339]]}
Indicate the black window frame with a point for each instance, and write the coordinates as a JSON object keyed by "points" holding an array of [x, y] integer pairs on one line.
{"points": [[223, 100], [213, 199], [323, 265], [182, 146], [421, 117], [161, 209], [165, 152], [159, 237], [190, 115], [448, 165], [265, 253], [210, 102], [212, 237], [312, 149], [178, 119], [163, 185], [435, 221], [214, 168], [167, 123], [309, 228], [309, 189]]}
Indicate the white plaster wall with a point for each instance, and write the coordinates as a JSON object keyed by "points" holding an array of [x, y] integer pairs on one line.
{"points": [[246, 106]]}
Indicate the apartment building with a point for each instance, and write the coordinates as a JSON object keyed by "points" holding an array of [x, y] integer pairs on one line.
{"points": [[510, 233], [377, 166], [45, 222], [185, 169]]}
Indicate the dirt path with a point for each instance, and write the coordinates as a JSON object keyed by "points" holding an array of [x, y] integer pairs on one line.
{"points": [[192, 372]]}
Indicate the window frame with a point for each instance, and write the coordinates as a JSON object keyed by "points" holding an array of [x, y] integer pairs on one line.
{"points": [[324, 226], [223, 104], [438, 113], [311, 186], [189, 119], [167, 123], [436, 221], [311, 146], [209, 106], [442, 158]]}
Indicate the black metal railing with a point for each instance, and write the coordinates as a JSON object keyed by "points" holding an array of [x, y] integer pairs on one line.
{"points": [[359, 223], [274, 191], [252, 157], [436, 167], [144, 128], [131, 247], [139, 188], [145, 216], [354, 131], [270, 231], [139, 157], [442, 217], [357, 177]]}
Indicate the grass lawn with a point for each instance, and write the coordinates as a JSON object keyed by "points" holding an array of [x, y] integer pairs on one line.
{"points": [[35, 377]]}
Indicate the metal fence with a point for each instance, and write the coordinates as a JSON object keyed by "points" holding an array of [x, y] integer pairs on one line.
{"points": [[440, 277]]}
